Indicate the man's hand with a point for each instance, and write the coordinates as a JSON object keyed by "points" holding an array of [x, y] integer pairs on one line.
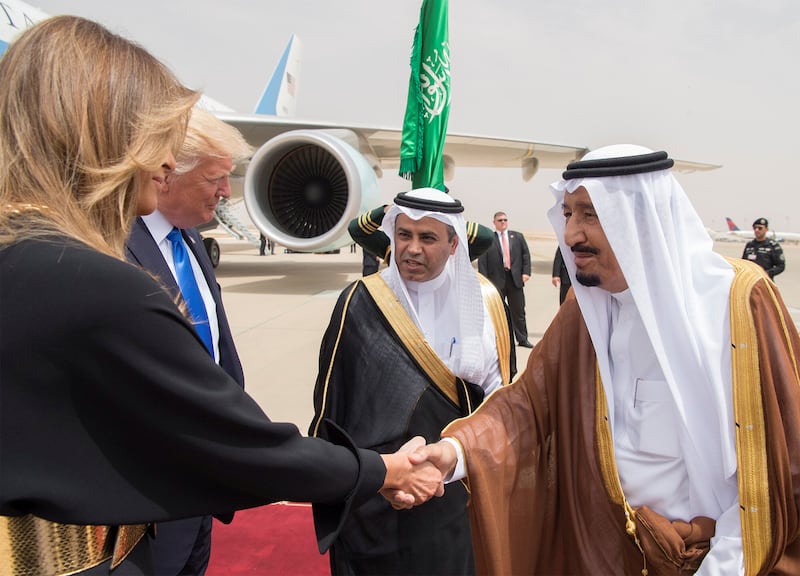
{"points": [[410, 483], [556, 281], [442, 455], [525, 278]]}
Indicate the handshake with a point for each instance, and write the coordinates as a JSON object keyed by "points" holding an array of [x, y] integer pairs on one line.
{"points": [[416, 472]]}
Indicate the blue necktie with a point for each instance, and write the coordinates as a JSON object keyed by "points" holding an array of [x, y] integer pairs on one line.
{"points": [[189, 289]]}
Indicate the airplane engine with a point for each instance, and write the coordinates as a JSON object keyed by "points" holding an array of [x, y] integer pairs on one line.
{"points": [[303, 187]]}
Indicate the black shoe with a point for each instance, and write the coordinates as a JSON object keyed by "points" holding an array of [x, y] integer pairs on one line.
{"points": [[525, 344]]}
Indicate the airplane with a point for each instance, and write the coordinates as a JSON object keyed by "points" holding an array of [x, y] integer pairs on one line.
{"points": [[734, 230], [308, 179], [15, 17]]}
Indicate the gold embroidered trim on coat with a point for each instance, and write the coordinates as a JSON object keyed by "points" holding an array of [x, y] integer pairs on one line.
{"points": [[415, 342], [411, 337], [748, 412], [333, 359], [497, 312], [748, 415], [608, 463]]}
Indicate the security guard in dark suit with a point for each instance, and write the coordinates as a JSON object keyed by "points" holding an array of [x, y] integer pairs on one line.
{"points": [[509, 272]]}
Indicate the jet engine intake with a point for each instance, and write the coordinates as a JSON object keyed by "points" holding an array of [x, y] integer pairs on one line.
{"points": [[303, 187]]}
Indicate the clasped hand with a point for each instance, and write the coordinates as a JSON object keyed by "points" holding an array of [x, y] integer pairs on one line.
{"points": [[416, 472]]}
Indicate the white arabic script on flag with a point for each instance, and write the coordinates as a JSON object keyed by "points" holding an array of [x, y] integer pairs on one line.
{"points": [[434, 82]]}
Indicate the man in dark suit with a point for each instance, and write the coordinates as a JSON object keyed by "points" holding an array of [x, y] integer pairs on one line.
{"points": [[188, 198], [508, 265], [560, 279]]}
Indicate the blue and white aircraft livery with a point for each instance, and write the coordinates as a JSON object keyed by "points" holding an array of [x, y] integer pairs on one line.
{"points": [[15, 17]]}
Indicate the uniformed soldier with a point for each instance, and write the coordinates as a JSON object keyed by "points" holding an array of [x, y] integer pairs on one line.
{"points": [[764, 251]]}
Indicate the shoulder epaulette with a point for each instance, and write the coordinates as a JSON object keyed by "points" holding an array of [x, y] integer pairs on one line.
{"points": [[472, 231]]}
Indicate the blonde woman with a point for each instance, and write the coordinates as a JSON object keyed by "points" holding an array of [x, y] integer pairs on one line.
{"points": [[108, 400]]}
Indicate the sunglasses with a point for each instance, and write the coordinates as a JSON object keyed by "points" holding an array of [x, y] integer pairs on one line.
{"points": [[502, 219]]}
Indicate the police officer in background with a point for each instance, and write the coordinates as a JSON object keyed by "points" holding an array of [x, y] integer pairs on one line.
{"points": [[764, 251]]}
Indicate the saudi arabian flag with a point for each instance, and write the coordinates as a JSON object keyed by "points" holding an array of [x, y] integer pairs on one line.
{"points": [[428, 107]]}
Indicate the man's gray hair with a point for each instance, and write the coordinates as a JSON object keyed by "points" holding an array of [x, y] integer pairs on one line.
{"points": [[209, 137]]}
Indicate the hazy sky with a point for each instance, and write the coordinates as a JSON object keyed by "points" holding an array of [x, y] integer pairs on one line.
{"points": [[707, 80]]}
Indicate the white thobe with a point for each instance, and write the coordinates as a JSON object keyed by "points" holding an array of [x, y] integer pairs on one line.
{"points": [[646, 435]]}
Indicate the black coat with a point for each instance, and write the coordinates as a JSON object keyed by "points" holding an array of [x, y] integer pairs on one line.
{"points": [[110, 400], [371, 386], [177, 539]]}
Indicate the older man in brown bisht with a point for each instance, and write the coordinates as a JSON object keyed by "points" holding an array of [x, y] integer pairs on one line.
{"points": [[656, 428]]}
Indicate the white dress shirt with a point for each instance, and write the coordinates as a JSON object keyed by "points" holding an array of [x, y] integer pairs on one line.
{"points": [[437, 317]]}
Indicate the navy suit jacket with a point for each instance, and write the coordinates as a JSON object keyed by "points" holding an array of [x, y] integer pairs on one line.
{"points": [[490, 264], [142, 250]]}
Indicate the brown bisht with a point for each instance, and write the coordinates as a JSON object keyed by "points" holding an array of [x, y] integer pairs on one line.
{"points": [[542, 501]]}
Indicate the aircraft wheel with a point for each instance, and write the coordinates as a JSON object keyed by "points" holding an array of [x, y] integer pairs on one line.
{"points": [[212, 247]]}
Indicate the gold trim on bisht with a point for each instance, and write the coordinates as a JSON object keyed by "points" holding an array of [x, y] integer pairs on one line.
{"points": [[410, 335], [608, 464], [333, 357], [32, 546], [415, 343], [748, 412], [497, 312], [754, 495]]}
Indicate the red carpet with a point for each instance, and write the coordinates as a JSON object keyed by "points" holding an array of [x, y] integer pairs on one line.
{"points": [[271, 540]]}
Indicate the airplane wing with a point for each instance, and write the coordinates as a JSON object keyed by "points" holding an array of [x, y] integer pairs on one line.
{"points": [[468, 150], [689, 166], [309, 178], [383, 144]]}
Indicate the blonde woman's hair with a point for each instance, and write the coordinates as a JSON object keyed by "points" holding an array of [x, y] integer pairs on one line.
{"points": [[209, 137], [83, 112]]}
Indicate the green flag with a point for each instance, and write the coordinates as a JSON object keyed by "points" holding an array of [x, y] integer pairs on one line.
{"points": [[428, 107]]}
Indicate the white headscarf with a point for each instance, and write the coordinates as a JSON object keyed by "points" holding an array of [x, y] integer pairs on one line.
{"points": [[476, 341], [681, 290]]}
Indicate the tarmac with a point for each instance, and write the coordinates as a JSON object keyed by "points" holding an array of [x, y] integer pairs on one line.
{"points": [[279, 307]]}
